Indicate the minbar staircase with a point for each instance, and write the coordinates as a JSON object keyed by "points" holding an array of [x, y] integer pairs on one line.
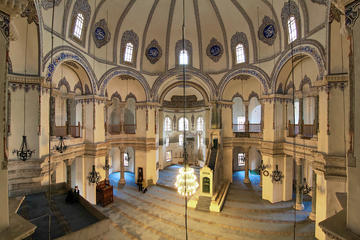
{"points": [[203, 204]]}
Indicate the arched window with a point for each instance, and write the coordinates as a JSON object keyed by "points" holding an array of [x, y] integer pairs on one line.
{"points": [[183, 57], [129, 47], [181, 140], [79, 23], [80, 18], [167, 124], [126, 159], [292, 30], [239, 48], [200, 124], [168, 156], [238, 110], [241, 159], [254, 111], [128, 52], [240, 53], [167, 141], [183, 122]]}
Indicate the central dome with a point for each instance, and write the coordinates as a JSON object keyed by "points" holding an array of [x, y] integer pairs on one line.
{"points": [[211, 29]]}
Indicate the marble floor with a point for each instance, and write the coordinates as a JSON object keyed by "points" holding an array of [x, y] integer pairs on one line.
{"points": [[159, 214]]}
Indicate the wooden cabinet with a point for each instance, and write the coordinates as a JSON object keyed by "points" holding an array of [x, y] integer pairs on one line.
{"points": [[104, 193]]}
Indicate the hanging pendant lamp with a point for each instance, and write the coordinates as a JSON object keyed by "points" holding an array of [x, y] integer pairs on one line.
{"points": [[94, 176], [186, 183], [62, 146], [24, 153]]}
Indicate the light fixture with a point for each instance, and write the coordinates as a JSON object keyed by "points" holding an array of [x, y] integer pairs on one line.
{"points": [[61, 147], [305, 187], [24, 153], [107, 165], [276, 175], [262, 169], [94, 176], [186, 181]]}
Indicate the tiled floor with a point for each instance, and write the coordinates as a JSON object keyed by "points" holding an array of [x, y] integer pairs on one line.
{"points": [[159, 214]]}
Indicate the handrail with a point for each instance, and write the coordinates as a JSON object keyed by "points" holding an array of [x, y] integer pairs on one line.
{"points": [[247, 128]]}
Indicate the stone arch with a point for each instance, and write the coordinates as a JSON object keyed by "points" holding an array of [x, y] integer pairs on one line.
{"points": [[66, 53], [64, 82], [180, 83], [311, 48], [209, 82], [249, 70], [118, 71]]}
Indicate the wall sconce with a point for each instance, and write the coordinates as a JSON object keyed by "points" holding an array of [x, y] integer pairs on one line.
{"points": [[262, 169], [276, 175], [61, 147], [305, 187], [24, 153], [107, 165], [94, 177]]}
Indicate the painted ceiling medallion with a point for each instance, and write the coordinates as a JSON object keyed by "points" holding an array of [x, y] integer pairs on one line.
{"points": [[153, 52], [267, 31], [214, 50], [101, 33]]}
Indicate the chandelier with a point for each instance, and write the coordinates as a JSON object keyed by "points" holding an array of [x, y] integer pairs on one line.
{"points": [[186, 181], [61, 147], [24, 153], [107, 165], [94, 176]]}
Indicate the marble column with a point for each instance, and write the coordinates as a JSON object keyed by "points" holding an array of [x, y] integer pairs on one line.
{"points": [[301, 115], [68, 116], [299, 182], [68, 175], [122, 166], [247, 179], [312, 215], [107, 164], [246, 117]]}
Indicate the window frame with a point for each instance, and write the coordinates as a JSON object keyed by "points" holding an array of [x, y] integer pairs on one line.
{"points": [[181, 140], [240, 53], [167, 124], [292, 29], [183, 57], [78, 26], [129, 52], [180, 126]]}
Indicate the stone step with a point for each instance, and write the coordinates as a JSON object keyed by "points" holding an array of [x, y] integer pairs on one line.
{"points": [[203, 204]]}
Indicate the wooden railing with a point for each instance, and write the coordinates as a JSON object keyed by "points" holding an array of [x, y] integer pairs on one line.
{"points": [[122, 128], [60, 131], [75, 130], [247, 128], [129, 128], [293, 130], [63, 131], [306, 130]]}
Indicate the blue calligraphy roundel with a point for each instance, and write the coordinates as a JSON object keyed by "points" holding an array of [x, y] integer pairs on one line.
{"points": [[269, 31], [100, 33], [153, 52], [215, 50]]}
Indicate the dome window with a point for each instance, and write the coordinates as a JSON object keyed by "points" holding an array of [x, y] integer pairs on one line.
{"points": [[167, 124], [292, 29], [78, 26], [240, 53], [183, 57], [181, 140], [128, 52], [183, 122], [200, 124]]}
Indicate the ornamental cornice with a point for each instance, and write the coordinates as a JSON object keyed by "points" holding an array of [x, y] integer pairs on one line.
{"points": [[21, 79], [13, 7]]}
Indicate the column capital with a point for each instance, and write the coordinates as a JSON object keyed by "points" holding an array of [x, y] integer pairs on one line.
{"points": [[13, 7], [299, 161]]}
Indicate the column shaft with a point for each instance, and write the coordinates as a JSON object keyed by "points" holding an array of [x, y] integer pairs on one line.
{"points": [[247, 179], [312, 215], [122, 167], [299, 181]]}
